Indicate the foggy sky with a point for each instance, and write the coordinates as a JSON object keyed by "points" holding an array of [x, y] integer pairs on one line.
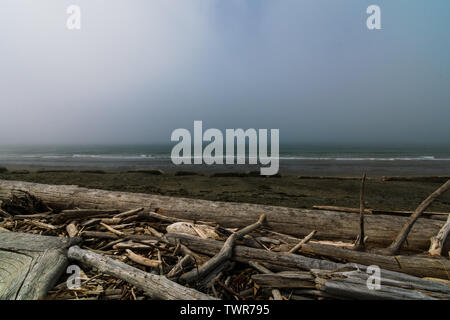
{"points": [[139, 69]]}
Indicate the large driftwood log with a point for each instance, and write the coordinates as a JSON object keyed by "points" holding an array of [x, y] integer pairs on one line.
{"points": [[380, 230], [420, 266], [353, 282], [30, 264], [353, 287], [156, 287]]}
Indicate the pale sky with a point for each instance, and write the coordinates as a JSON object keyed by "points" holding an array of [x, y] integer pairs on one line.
{"points": [[139, 69]]}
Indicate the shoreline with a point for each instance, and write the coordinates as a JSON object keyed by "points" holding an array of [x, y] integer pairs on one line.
{"points": [[374, 168]]}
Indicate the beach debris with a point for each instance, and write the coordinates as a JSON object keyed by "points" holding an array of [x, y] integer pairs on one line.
{"points": [[155, 172], [297, 222], [181, 173], [437, 179], [22, 202], [131, 246]]}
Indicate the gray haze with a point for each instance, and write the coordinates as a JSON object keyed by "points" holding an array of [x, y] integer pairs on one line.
{"points": [[139, 69]]}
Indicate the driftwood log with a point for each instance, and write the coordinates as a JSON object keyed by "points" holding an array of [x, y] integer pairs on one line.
{"points": [[154, 286], [381, 230], [275, 292], [417, 265], [351, 282], [438, 242], [30, 264]]}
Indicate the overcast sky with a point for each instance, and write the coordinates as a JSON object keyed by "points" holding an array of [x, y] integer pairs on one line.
{"points": [[139, 69]]}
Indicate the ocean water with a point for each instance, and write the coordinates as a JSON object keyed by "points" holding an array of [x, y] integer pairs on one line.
{"points": [[317, 159]]}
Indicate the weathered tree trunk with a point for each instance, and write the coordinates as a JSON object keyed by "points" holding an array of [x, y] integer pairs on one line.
{"points": [[438, 242], [157, 287], [30, 264], [354, 283], [381, 230], [420, 266]]}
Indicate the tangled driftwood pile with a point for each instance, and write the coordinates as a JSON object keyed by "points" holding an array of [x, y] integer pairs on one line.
{"points": [[173, 248]]}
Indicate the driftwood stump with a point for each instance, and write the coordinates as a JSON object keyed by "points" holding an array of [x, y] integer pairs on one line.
{"points": [[30, 264]]}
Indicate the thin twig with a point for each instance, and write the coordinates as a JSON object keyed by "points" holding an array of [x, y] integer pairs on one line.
{"points": [[304, 240]]}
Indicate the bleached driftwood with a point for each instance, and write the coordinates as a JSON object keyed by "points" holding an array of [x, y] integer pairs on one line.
{"points": [[81, 214], [154, 286], [417, 265], [438, 242], [354, 282], [222, 256], [276, 261], [30, 264]]}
